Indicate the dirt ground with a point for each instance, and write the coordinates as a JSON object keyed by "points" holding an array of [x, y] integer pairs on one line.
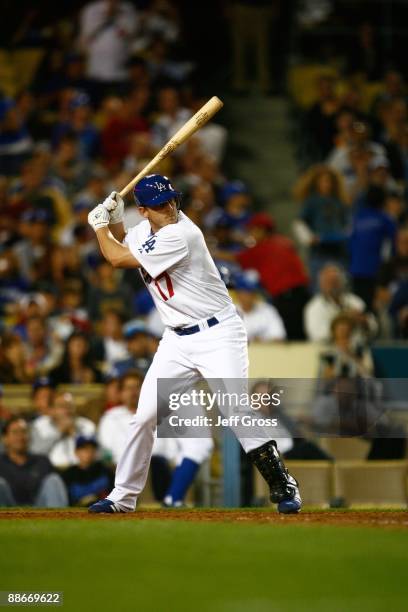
{"points": [[359, 518]]}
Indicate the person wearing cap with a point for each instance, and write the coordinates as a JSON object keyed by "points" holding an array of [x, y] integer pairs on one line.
{"points": [[90, 479], [262, 321], [36, 251], [237, 201], [136, 336], [26, 478], [79, 125]]}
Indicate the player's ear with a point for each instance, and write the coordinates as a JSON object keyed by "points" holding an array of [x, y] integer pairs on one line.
{"points": [[143, 211]]}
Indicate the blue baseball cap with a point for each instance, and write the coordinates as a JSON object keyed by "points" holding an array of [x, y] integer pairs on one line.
{"points": [[153, 190], [233, 188], [36, 215], [82, 441], [42, 382], [136, 326], [246, 282], [80, 99]]}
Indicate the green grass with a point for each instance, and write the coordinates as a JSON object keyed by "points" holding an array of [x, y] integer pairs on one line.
{"points": [[176, 566]]}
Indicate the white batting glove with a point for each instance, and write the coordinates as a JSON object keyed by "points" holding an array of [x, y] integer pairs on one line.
{"points": [[98, 217], [115, 205]]}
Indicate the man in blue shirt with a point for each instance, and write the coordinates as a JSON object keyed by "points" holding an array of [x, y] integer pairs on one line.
{"points": [[373, 234]]}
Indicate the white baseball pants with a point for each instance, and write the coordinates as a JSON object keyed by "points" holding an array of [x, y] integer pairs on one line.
{"points": [[218, 352]]}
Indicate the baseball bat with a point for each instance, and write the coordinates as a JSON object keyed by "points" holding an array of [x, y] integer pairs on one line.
{"points": [[188, 129]]}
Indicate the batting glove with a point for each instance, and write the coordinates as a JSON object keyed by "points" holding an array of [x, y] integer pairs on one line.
{"points": [[98, 217], [115, 205]]}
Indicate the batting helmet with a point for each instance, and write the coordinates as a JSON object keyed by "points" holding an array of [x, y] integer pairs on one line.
{"points": [[155, 189]]}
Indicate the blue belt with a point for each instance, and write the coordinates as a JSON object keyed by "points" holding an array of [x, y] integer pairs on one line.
{"points": [[187, 331]]}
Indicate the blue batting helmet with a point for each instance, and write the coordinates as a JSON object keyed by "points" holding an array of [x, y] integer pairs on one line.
{"points": [[153, 190]]}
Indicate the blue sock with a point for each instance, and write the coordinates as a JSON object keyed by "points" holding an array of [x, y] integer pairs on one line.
{"points": [[182, 478]]}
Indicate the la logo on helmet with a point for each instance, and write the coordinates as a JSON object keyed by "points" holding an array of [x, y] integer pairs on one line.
{"points": [[160, 186]]}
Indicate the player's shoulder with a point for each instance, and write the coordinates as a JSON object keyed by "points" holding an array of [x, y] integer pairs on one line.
{"points": [[182, 230]]}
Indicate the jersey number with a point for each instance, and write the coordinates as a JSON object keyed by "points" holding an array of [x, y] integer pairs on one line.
{"points": [[169, 286]]}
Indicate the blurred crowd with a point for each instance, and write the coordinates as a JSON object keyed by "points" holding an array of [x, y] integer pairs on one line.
{"points": [[104, 99]]}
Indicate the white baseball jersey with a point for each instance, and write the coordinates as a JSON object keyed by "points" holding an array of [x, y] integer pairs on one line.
{"points": [[263, 323], [178, 271]]}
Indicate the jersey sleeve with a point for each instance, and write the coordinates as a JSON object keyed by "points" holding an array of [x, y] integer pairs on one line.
{"points": [[158, 252]]}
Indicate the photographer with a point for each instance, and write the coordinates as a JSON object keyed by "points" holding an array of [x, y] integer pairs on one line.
{"points": [[349, 399]]}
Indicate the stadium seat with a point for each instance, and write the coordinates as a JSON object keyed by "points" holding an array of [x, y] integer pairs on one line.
{"points": [[372, 483], [315, 477], [346, 448]]}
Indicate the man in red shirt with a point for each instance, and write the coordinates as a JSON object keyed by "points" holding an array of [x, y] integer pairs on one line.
{"points": [[281, 271]]}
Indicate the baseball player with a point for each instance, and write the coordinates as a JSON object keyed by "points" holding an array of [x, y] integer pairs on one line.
{"points": [[204, 337]]}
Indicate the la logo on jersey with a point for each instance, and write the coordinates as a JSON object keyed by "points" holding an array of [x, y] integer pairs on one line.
{"points": [[149, 245]]}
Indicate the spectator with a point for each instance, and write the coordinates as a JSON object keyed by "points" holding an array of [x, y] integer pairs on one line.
{"points": [[262, 321], [171, 117], [106, 29], [54, 434], [77, 365], [35, 252], [160, 18], [43, 352], [13, 368], [79, 124], [116, 137], [321, 118], [42, 396], [373, 231], [322, 224], [107, 292], [352, 159], [88, 480], [212, 137], [349, 400], [136, 335], [237, 201], [4, 415], [393, 272], [161, 67], [113, 426], [15, 141], [111, 393], [27, 479], [394, 87], [111, 346], [280, 270], [333, 300], [68, 165], [365, 53]]}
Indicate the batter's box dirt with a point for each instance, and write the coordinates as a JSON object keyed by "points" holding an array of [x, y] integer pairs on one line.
{"points": [[389, 518]]}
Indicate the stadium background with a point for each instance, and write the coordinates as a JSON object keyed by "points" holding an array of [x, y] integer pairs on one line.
{"points": [[310, 89], [314, 131]]}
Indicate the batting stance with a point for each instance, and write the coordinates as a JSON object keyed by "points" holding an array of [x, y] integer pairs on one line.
{"points": [[204, 335]]}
